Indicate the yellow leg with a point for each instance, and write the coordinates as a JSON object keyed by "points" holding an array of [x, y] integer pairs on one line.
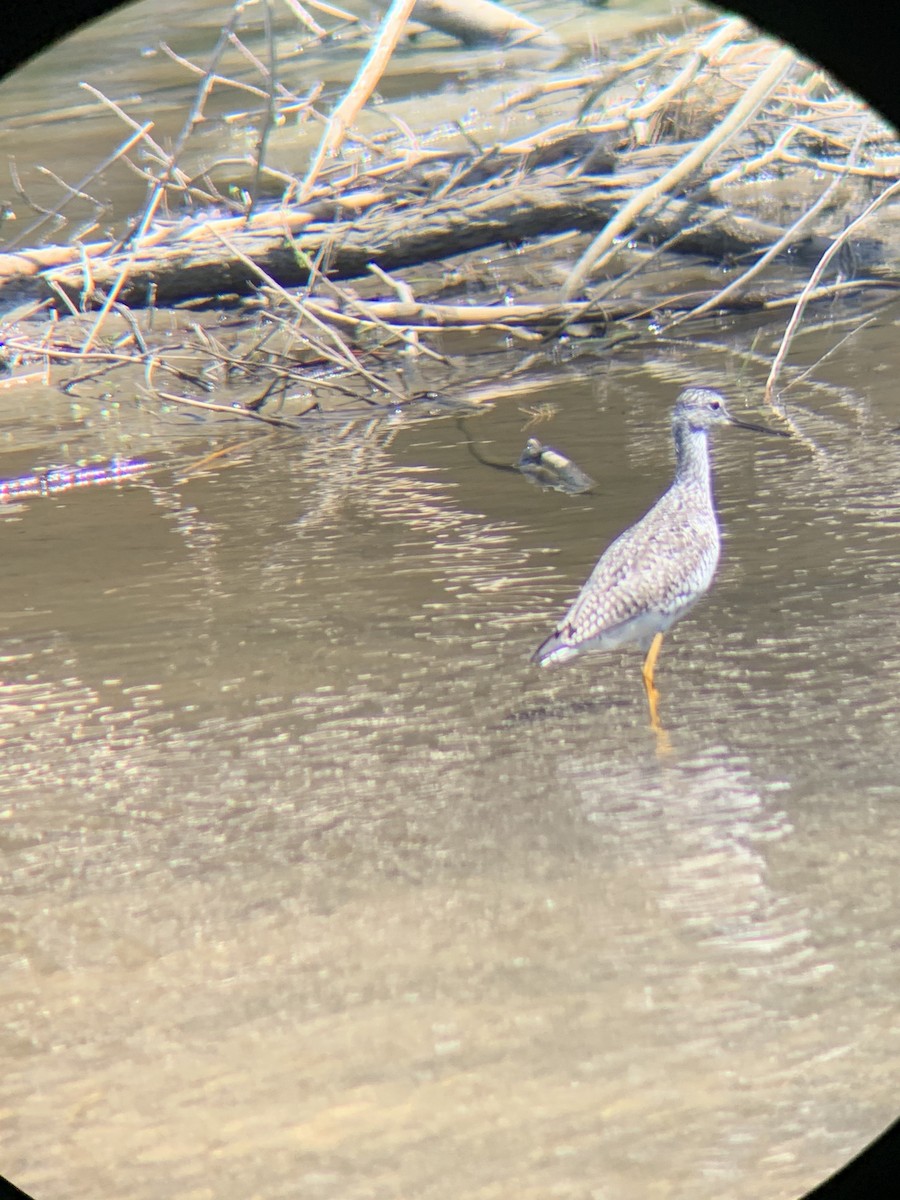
{"points": [[649, 685]]}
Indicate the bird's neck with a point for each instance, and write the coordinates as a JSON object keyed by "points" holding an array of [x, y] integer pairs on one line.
{"points": [[692, 456]]}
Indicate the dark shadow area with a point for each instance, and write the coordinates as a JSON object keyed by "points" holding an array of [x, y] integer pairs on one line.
{"points": [[872, 1173]]}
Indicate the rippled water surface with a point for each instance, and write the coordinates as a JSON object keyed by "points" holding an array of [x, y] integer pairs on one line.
{"points": [[313, 885]]}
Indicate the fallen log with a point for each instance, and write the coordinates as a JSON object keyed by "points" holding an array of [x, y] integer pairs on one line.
{"points": [[717, 143], [396, 230]]}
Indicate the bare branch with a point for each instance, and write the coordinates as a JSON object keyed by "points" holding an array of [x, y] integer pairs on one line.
{"points": [[799, 308], [361, 89], [602, 246]]}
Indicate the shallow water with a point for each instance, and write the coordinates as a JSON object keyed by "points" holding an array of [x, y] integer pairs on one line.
{"points": [[315, 886]]}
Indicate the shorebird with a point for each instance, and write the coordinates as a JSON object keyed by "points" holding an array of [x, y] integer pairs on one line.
{"points": [[658, 569]]}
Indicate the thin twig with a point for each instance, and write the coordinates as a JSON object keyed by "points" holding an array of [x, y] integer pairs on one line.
{"points": [[268, 122], [701, 57], [797, 314], [330, 10], [600, 249], [171, 160], [238, 85], [228, 409], [306, 19], [372, 69], [77, 188], [143, 131], [195, 469], [828, 353], [345, 356], [776, 248], [368, 318]]}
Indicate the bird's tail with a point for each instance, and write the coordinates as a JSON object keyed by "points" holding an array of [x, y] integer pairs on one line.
{"points": [[554, 649]]}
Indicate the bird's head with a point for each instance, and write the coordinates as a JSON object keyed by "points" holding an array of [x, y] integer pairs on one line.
{"points": [[702, 408]]}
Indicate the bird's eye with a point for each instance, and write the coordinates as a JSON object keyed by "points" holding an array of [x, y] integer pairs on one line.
{"points": [[715, 404]]}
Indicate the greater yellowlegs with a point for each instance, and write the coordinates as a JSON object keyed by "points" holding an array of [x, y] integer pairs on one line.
{"points": [[656, 570]]}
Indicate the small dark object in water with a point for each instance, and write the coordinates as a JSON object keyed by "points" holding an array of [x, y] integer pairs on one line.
{"points": [[548, 468]]}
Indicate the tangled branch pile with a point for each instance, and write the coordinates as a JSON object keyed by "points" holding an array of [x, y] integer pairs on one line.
{"points": [[710, 141]]}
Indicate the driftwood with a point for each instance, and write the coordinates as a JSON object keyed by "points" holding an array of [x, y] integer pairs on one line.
{"points": [[284, 244], [714, 142], [394, 231], [612, 172], [480, 22], [370, 72]]}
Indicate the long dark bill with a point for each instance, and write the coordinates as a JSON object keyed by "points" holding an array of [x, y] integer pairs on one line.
{"points": [[759, 428]]}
